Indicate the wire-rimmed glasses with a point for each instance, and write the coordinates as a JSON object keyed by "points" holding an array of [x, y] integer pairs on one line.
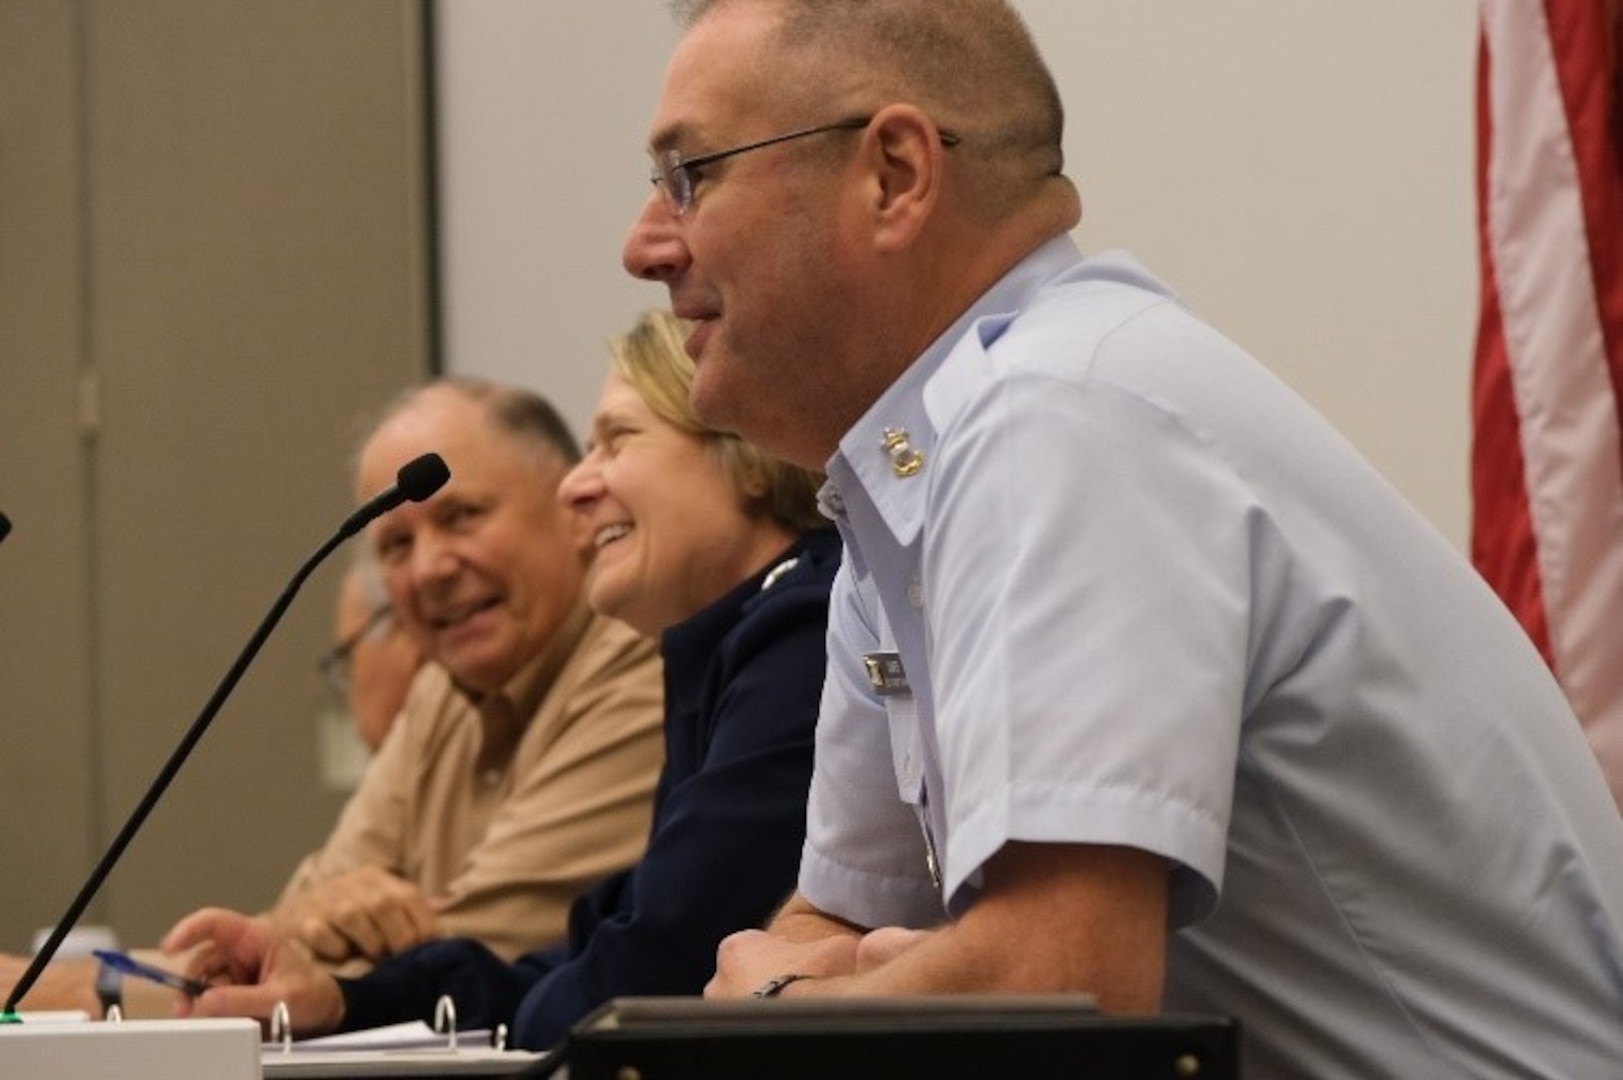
{"points": [[334, 663], [675, 175]]}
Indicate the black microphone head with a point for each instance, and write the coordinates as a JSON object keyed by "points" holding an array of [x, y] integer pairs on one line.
{"points": [[5, 525], [421, 477]]}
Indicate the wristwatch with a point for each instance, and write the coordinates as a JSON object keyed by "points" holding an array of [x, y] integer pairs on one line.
{"points": [[774, 986], [109, 987]]}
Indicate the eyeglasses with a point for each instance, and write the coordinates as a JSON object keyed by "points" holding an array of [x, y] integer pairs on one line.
{"points": [[676, 175], [334, 663]]}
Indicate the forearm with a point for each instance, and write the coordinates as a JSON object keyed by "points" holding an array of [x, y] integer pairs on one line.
{"points": [[959, 959], [799, 921], [1053, 919]]}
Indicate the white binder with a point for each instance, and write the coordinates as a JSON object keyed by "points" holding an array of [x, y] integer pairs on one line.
{"points": [[131, 1050]]}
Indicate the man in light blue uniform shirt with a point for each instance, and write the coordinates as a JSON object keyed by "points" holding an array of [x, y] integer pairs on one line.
{"points": [[1141, 682]]}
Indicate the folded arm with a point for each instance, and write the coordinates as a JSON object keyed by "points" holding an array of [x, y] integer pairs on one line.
{"points": [[1053, 918]]}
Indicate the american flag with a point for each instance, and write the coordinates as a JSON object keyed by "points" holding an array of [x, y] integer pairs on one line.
{"points": [[1547, 457]]}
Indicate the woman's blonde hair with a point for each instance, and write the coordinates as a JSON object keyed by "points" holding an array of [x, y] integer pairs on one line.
{"points": [[652, 361]]}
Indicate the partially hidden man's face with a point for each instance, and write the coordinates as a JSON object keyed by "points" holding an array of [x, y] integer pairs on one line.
{"points": [[383, 660], [755, 262], [484, 572]]}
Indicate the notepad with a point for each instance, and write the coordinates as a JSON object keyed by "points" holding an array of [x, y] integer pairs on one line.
{"points": [[325, 1064], [413, 1048], [409, 1049], [411, 1035]]}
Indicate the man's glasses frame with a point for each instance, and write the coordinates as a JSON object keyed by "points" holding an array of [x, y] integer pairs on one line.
{"points": [[334, 663], [674, 175]]}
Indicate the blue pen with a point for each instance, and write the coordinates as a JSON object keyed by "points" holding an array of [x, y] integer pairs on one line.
{"points": [[128, 965]]}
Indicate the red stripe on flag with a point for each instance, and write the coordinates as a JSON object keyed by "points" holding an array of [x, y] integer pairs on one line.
{"points": [[1502, 543]]}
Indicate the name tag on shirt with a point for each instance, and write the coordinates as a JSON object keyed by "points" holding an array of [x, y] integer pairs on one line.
{"points": [[885, 673]]}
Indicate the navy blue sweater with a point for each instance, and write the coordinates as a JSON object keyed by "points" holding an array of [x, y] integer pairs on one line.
{"points": [[743, 679]]}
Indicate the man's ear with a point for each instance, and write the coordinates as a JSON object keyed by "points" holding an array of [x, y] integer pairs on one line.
{"points": [[908, 161]]}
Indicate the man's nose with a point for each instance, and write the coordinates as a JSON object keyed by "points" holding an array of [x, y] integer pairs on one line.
{"points": [[654, 250], [433, 558]]}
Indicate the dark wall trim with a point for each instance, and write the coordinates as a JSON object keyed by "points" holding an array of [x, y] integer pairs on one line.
{"points": [[434, 293]]}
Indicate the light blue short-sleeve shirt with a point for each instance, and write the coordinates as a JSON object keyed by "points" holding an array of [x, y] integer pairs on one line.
{"points": [[1109, 581]]}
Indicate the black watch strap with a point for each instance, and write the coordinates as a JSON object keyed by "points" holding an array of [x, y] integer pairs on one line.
{"points": [[774, 986]]}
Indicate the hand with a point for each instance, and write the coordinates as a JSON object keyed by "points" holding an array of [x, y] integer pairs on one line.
{"points": [[64, 984], [249, 968], [366, 912], [880, 947], [746, 960]]}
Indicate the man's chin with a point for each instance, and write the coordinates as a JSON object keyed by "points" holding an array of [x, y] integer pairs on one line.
{"points": [[733, 413], [711, 405], [478, 672]]}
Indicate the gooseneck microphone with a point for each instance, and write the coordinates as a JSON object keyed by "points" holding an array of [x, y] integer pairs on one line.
{"points": [[5, 526], [416, 481]]}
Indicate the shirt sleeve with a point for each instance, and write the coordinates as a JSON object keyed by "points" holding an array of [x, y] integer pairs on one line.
{"points": [[1090, 654], [485, 988]]}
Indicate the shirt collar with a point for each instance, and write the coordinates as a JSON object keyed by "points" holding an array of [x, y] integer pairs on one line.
{"points": [[875, 454], [505, 714], [689, 648]]}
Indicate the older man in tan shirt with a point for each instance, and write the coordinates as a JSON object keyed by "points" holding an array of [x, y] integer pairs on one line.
{"points": [[522, 766]]}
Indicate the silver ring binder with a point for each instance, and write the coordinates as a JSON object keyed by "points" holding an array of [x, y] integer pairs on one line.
{"points": [[445, 1020], [281, 1027]]}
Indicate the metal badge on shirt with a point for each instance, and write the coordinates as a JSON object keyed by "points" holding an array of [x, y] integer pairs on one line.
{"points": [[904, 460], [885, 673]]}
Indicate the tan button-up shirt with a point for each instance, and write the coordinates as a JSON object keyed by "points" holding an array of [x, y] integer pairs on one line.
{"points": [[510, 806]]}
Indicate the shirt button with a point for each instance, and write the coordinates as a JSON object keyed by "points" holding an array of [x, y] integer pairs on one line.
{"points": [[915, 594]]}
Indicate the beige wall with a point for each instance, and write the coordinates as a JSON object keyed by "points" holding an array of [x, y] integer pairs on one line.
{"points": [[212, 263], [48, 758]]}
